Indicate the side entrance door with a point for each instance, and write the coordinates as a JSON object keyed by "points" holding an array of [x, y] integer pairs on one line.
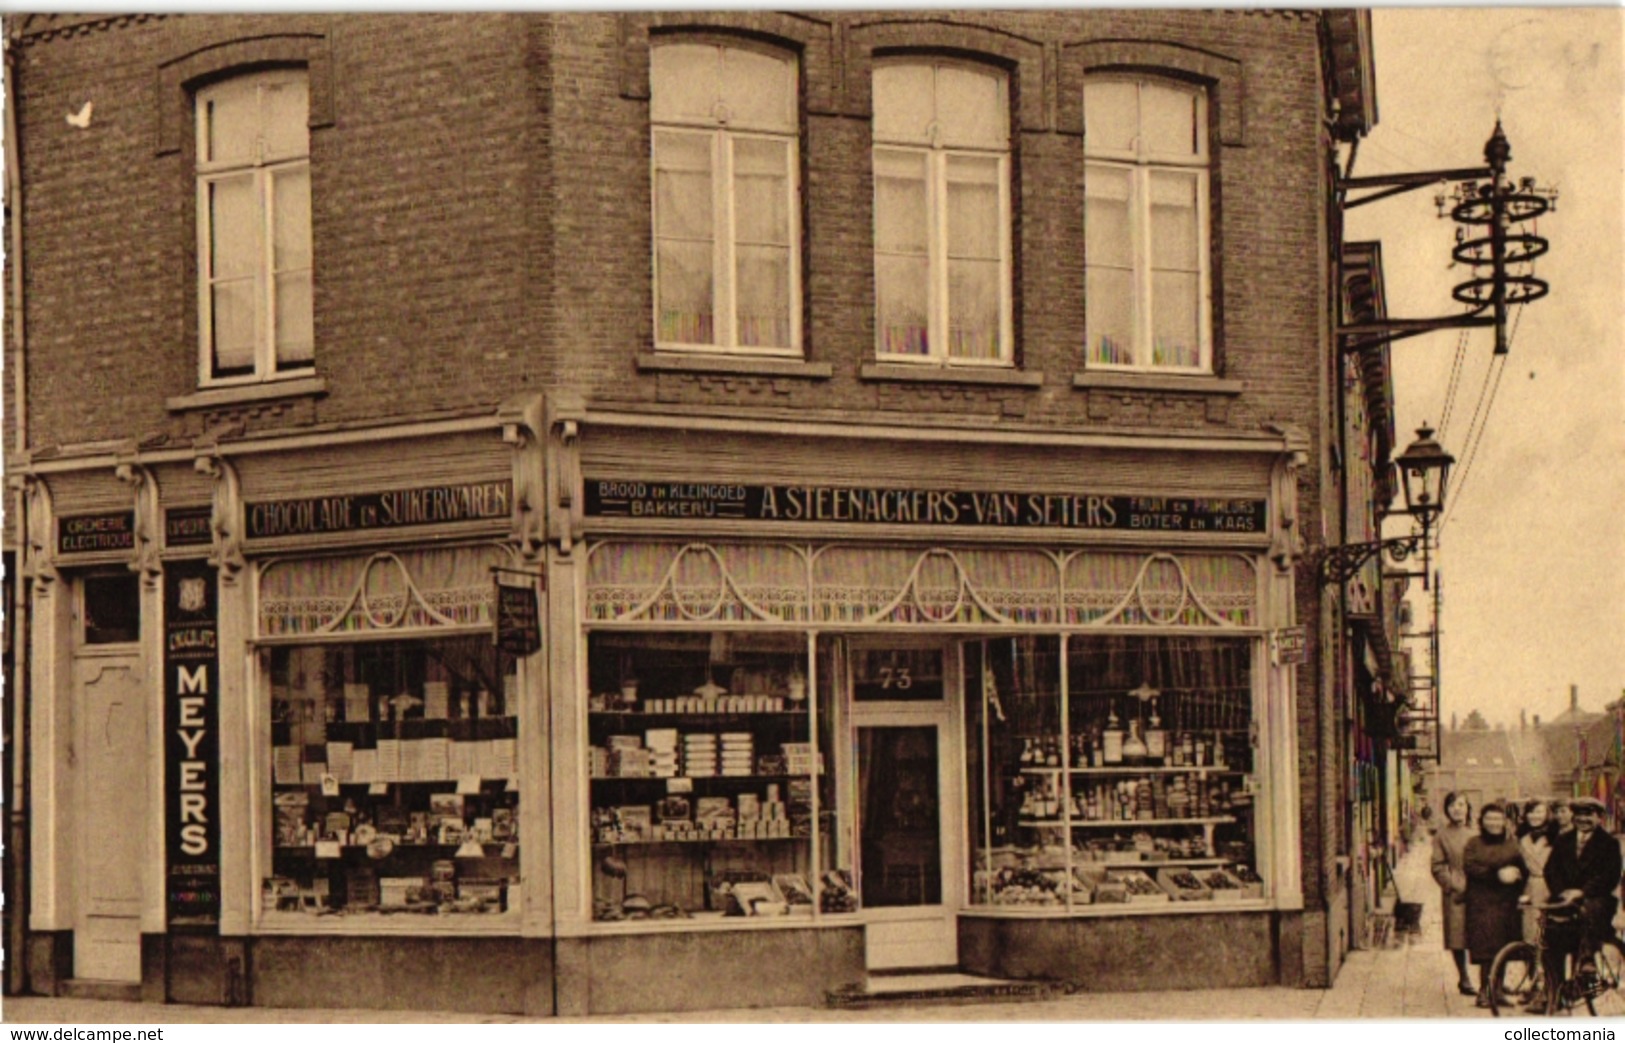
{"points": [[907, 803], [110, 734]]}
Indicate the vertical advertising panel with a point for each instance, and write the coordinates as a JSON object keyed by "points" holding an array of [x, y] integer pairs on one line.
{"points": [[191, 744]]}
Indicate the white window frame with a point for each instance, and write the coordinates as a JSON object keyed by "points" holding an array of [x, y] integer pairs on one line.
{"points": [[724, 305], [1140, 163], [266, 365], [937, 158]]}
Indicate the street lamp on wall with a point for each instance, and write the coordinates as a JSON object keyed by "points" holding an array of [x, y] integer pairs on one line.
{"points": [[1424, 469]]}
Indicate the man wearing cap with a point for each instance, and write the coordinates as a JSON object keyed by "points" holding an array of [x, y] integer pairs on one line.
{"points": [[1584, 867]]}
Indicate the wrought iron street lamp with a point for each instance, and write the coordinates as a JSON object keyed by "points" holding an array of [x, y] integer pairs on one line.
{"points": [[1425, 472]]}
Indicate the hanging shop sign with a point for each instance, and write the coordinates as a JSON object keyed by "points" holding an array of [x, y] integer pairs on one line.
{"points": [[1289, 646], [192, 744], [517, 628], [94, 533], [898, 506], [392, 509], [188, 527]]}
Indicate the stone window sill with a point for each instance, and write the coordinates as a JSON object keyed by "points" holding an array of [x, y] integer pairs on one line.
{"points": [[950, 375], [242, 394], [734, 366], [1157, 382]]}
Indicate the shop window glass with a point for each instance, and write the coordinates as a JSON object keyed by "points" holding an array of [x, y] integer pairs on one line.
{"points": [[112, 609], [1136, 787], [708, 786], [394, 780]]}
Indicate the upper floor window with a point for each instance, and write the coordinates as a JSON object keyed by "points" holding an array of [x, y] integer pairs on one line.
{"points": [[1146, 225], [942, 214], [253, 205], [725, 124]]}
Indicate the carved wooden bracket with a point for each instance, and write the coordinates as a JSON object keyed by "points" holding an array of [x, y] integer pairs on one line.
{"points": [[226, 517], [522, 428], [148, 519], [565, 414]]}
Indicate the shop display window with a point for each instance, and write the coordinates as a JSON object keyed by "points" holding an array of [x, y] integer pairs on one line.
{"points": [[394, 781], [1135, 785], [708, 785]]}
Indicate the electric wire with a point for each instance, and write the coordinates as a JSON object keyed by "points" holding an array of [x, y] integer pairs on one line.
{"points": [[1475, 435], [1453, 384]]}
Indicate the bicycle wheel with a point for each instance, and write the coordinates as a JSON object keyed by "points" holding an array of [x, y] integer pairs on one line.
{"points": [[1517, 983], [1605, 996]]}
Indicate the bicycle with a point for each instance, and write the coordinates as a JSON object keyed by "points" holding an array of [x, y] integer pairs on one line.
{"points": [[1519, 979]]}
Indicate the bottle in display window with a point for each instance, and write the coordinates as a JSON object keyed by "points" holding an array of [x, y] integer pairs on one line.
{"points": [[394, 780], [706, 782]]}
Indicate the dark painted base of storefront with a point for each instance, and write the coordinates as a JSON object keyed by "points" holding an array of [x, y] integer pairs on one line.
{"points": [[1195, 951], [50, 961], [706, 970], [472, 975]]}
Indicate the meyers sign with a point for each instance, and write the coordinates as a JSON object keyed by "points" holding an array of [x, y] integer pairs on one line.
{"points": [[192, 744], [634, 498]]}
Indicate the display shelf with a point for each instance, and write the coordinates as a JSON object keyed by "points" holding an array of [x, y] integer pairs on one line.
{"points": [[1126, 770], [709, 715], [695, 778], [1124, 823], [598, 844], [1156, 863], [309, 850]]}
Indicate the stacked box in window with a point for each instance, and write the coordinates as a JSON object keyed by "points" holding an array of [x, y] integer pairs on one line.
{"points": [[699, 755], [737, 753], [799, 806]]}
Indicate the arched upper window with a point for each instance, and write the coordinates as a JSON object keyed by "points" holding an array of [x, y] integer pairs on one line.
{"points": [[942, 213], [1146, 224], [254, 241], [725, 125]]}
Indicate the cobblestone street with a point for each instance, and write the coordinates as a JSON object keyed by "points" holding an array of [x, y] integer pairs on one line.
{"points": [[1413, 980]]}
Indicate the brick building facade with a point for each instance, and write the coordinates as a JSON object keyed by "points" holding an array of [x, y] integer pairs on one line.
{"points": [[492, 387]]}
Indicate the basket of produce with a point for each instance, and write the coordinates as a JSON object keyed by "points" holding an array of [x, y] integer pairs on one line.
{"points": [[1251, 885], [1024, 887], [1183, 885], [1141, 888], [1223, 884]]}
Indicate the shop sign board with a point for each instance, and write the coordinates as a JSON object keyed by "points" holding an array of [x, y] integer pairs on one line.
{"points": [[188, 527], [518, 628], [95, 533], [1289, 646], [191, 744], [391, 509], [890, 505]]}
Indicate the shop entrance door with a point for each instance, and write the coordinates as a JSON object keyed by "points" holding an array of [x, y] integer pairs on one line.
{"points": [[907, 821], [110, 733]]}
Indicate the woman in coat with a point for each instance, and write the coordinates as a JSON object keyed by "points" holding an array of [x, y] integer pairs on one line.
{"points": [[1449, 847], [1535, 845], [1495, 880]]}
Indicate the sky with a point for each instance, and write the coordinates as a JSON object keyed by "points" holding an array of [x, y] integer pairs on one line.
{"points": [[1532, 551]]}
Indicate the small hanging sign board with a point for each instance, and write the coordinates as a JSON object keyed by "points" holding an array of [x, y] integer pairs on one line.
{"points": [[1289, 646], [518, 622]]}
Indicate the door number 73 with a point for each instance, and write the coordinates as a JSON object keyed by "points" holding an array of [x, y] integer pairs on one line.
{"points": [[896, 677]]}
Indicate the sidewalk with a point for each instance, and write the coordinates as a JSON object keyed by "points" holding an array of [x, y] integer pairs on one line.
{"points": [[1414, 980]]}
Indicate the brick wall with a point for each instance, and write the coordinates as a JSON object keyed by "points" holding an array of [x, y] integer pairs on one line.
{"points": [[424, 195]]}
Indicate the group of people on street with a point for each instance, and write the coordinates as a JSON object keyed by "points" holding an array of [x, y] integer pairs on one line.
{"points": [[1557, 851]]}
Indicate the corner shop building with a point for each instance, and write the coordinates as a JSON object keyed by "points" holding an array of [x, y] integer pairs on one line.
{"points": [[890, 692]]}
